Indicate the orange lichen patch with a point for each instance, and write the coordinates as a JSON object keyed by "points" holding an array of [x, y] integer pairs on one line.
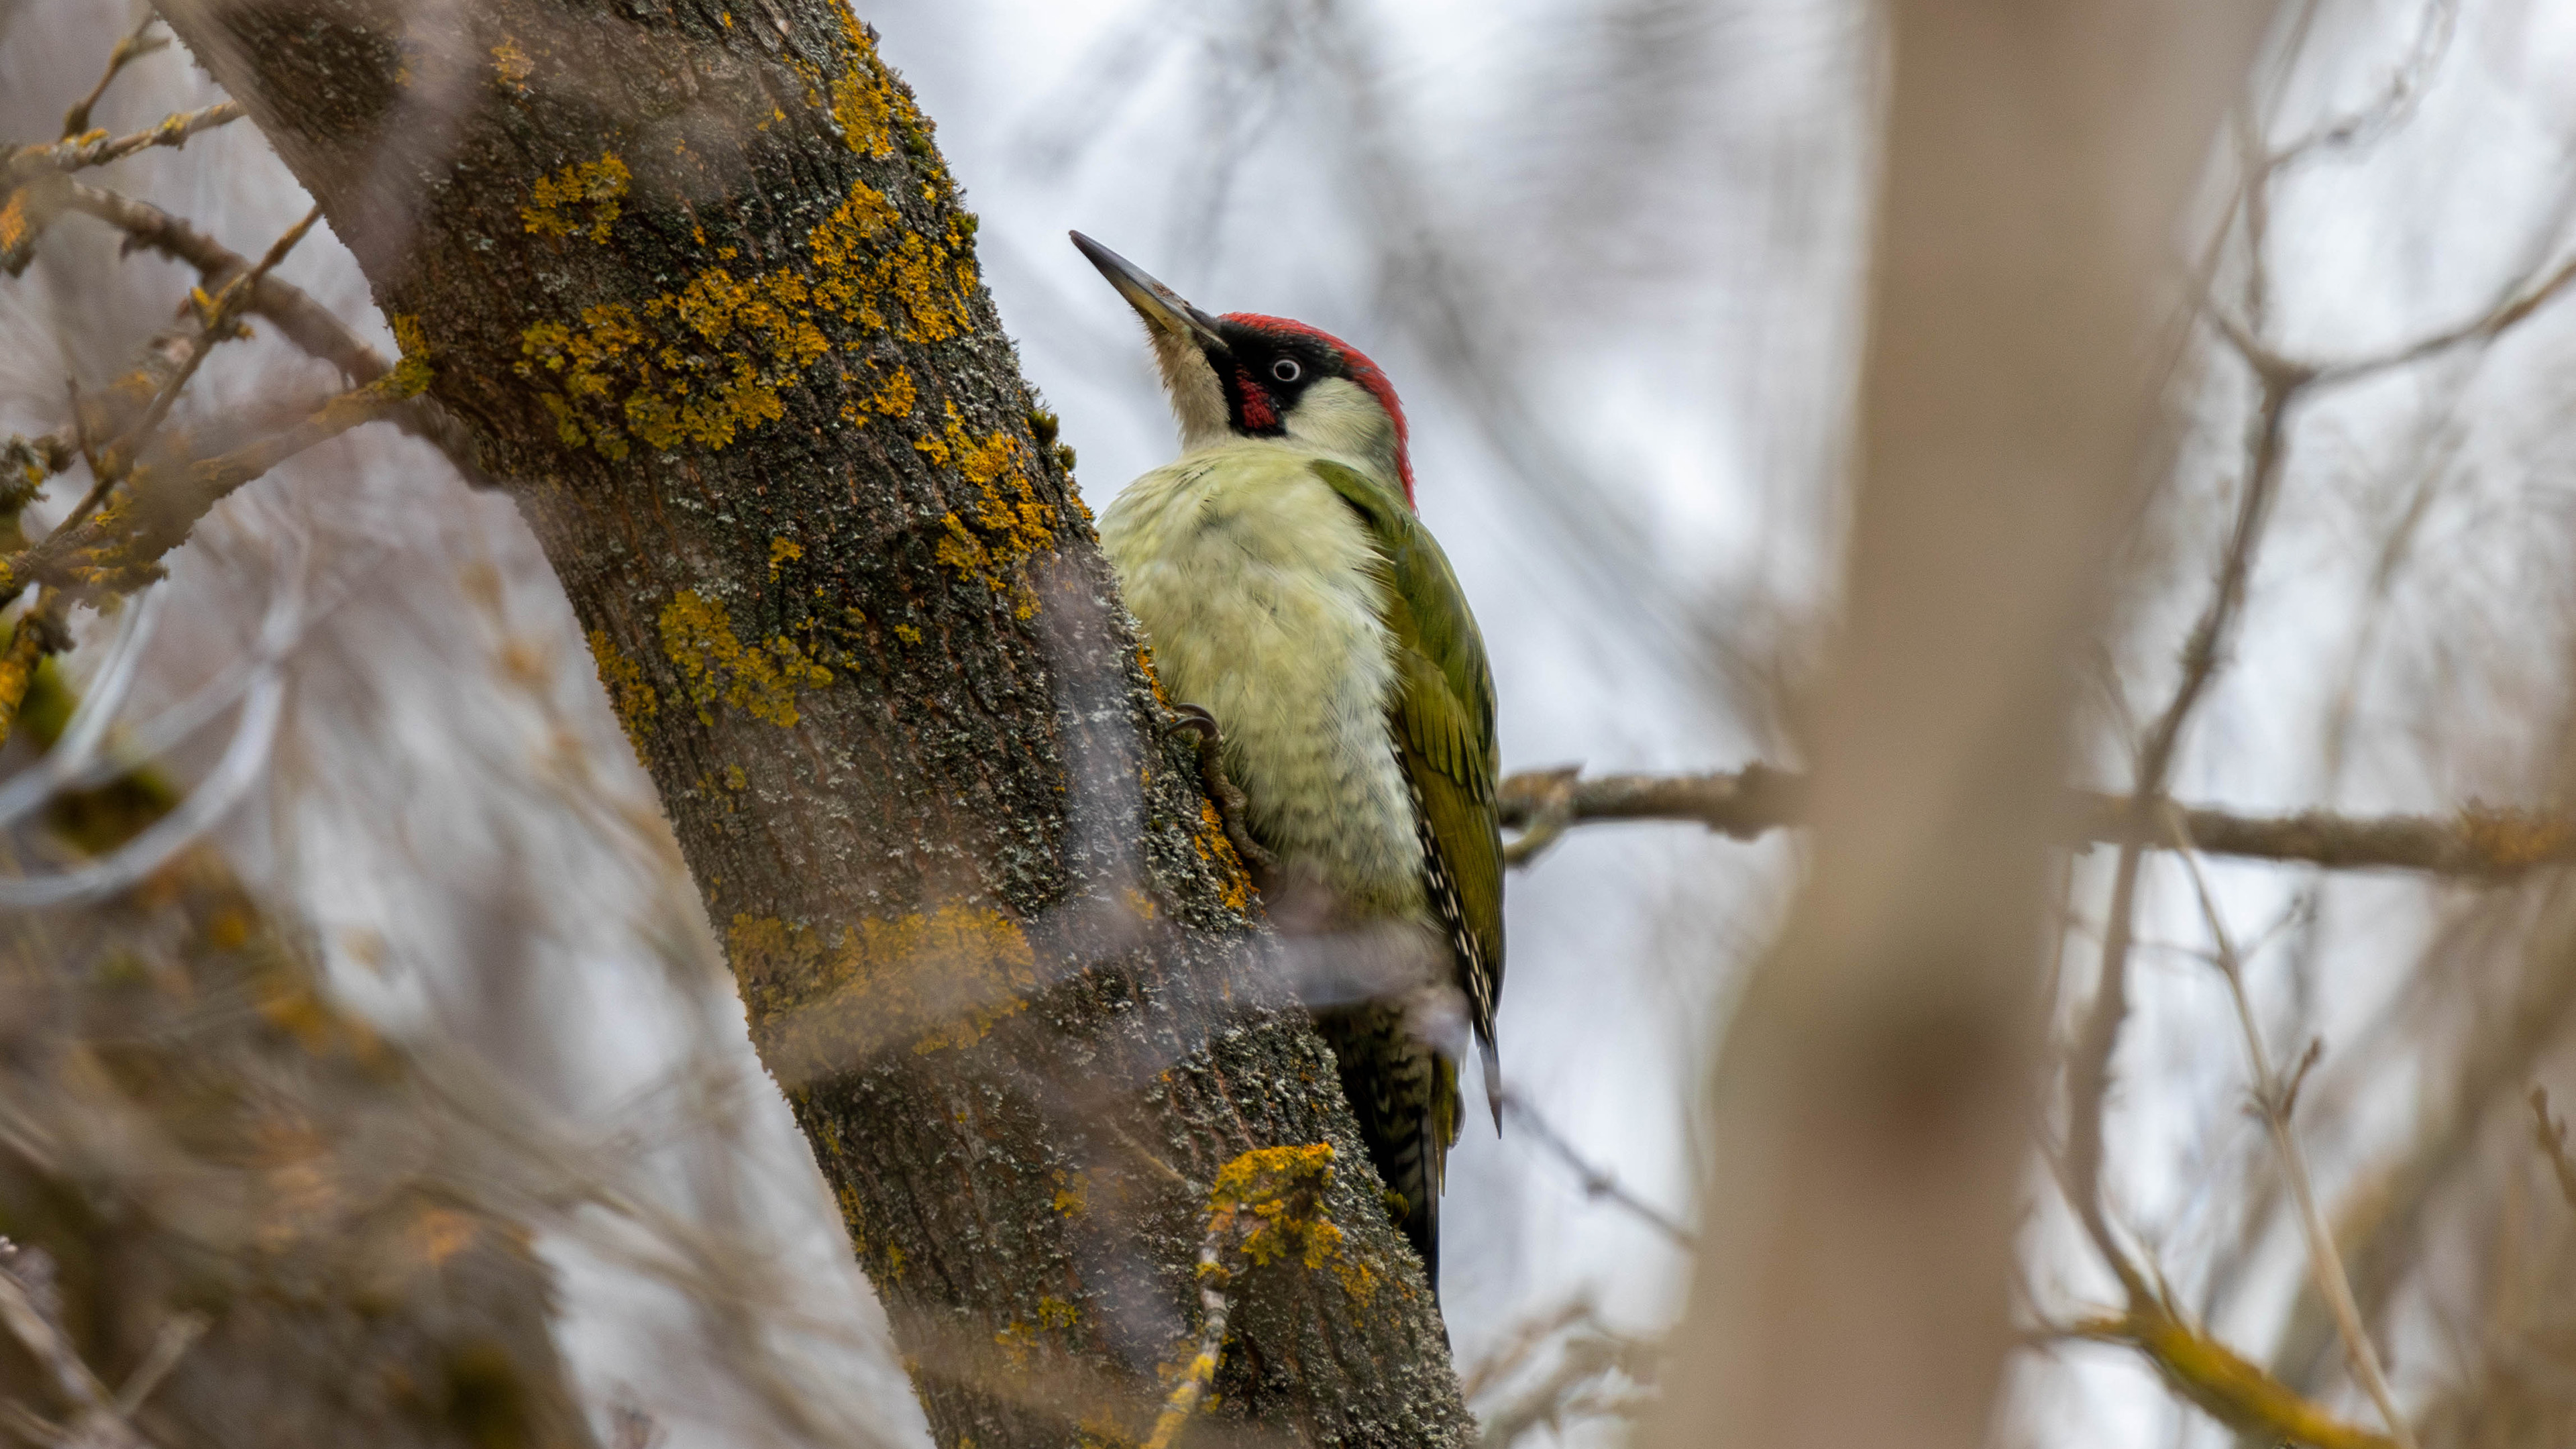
{"points": [[629, 692], [863, 258], [698, 365], [1004, 530], [2505, 840], [864, 102], [783, 550], [893, 398], [512, 65], [825, 997], [17, 228], [698, 637], [1016, 1341], [1210, 841], [1268, 1204], [708, 361], [1072, 1193], [583, 198], [441, 1233]]}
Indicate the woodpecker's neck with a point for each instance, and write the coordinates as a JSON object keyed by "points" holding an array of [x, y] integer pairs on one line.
{"points": [[1339, 417]]}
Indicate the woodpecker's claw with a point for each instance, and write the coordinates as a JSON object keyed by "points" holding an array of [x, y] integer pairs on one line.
{"points": [[1221, 791]]}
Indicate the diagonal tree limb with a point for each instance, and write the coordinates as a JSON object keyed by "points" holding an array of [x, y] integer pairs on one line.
{"points": [[2224, 1384]]}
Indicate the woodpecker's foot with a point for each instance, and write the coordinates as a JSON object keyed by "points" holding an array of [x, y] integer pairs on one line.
{"points": [[1221, 791]]}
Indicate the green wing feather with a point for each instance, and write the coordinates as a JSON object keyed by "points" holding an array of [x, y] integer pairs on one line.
{"points": [[1444, 719]]}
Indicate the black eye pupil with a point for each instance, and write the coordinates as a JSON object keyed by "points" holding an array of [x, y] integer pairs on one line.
{"points": [[1287, 370]]}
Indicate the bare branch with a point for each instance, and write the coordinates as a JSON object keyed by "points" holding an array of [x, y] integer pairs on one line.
{"points": [[2274, 1098], [99, 149], [2478, 843], [137, 44], [308, 324], [215, 324], [30, 1315]]}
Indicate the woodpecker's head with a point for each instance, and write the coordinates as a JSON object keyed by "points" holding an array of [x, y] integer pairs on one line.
{"points": [[1249, 376]]}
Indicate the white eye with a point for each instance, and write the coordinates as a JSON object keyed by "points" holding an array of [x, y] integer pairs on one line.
{"points": [[1287, 370]]}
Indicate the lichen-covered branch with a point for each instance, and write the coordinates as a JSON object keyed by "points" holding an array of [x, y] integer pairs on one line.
{"points": [[2478, 843], [98, 148], [2222, 1383], [119, 547]]}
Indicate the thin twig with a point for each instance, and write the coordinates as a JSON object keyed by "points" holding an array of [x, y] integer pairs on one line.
{"points": [[114, 547], [216, 324], [1183, 1400], [29, 1317], [2274, 1099], [99, 149], [308, 324], [1597, 1182], [137, 44]]}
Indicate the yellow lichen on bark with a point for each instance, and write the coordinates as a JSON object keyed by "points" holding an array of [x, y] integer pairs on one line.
{"points": [[863, 257], [715, 665], [512, 65], [707, 362], [825, 997], [411, 374], [1269, 1204], [587, 197], [629, 693], [1003, 531], [894, 398], [1213, 847]]}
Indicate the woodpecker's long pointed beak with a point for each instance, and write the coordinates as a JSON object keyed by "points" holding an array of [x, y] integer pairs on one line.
{"points": [[1162, 308]]}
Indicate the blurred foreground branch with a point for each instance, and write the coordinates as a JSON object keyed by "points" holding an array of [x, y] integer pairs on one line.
{"points": [[2222, 1383], [1746, 803]]}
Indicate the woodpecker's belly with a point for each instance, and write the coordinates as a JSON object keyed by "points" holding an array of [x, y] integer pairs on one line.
{"points": [[1259, 592]]}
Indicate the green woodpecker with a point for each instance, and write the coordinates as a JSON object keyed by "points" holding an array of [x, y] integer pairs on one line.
{"points": [[1287, 589]]}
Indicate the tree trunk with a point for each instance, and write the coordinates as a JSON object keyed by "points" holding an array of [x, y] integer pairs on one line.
{"points": [[698, 280]]}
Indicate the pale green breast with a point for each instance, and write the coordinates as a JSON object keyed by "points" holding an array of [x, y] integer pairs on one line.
{"points": [[1263, 597]]}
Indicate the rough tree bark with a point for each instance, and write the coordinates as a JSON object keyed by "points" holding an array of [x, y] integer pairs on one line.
{"points": [[696, 278]]}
